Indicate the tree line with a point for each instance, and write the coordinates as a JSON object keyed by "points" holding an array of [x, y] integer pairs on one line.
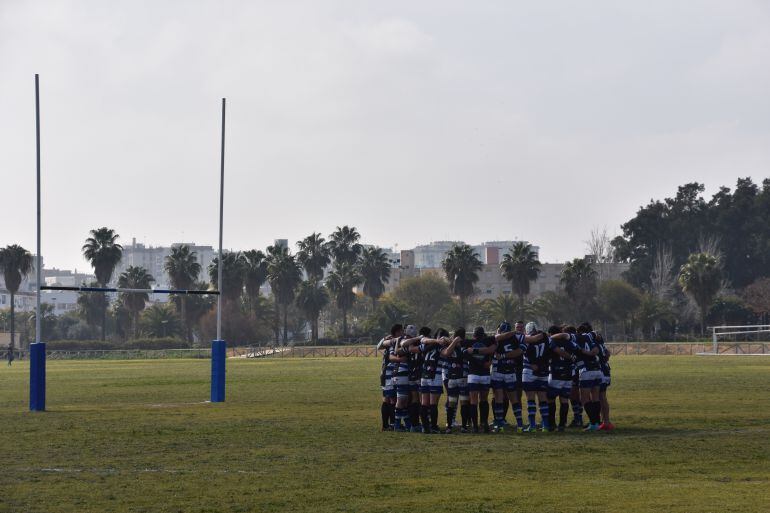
{"points": [[691, 262]]}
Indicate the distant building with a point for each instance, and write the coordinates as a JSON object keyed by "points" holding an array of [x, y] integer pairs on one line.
{"points": [[430, 256], [153, 259], [491, 282]]}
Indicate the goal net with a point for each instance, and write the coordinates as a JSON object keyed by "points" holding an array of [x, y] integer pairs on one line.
{"points": [[751, 340]]}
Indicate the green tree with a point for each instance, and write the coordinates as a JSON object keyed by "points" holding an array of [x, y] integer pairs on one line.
{"points": [[504, 307], [104, 254], [135, 278], [651, 313], [461, 267], [254, 273], [232, 275], [521, 267], [757, 297], [284, 275], [425, 298], [312, 299], [161, 321], [344, 246], [91, 306], [618, 301], [197, 306], [314, 256], [340, 282], [375, 272], [183, 270], [579, 280], [701, 278], [16, 263]]}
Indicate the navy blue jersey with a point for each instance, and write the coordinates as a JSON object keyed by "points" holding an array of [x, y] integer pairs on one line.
{"points": [[387, 366], [400, 369], [507, 365], [415, 366], [455, 364], [478, 364], [586, 342], [562, 368], [430, 356], [466, 363], [536, 357], [604, 354]]}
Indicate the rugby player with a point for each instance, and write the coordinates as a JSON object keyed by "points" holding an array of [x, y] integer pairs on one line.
{"points": [[535, 375], [560, 377], [504, 382], [479, 357], [388, 408], [456, 381], [430, 380], [604, 360], [400, 380], [589, 370]]}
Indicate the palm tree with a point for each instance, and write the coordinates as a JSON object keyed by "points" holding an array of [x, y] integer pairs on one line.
{"points": [[314, 255], [343, 244], [283, 274], [341, 281], [254, 272], [461, 267], [520, 266], [375, 272], [160, 321], [232, 275], [701, 278], [197, 305], [506, 307], [135, 278], [579, 280], [91, 306], [104, 254], [16, 263], [311, 299], [183, 270]]}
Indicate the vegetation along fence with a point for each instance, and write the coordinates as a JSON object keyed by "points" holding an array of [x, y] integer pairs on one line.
{"points": [[617, 348]]}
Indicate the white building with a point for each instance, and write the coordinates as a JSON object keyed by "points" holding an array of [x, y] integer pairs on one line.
{"points": [[153, 259]]}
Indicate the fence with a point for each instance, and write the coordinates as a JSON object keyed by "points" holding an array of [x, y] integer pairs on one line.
{"points": [[617, 348]]}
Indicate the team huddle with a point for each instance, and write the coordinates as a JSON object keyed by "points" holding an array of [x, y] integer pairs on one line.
{"points": [[567, 364]]}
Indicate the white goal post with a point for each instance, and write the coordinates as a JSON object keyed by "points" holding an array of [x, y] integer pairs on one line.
{"points": [[723, 331]]}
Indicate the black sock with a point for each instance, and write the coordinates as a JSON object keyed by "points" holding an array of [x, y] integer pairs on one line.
{"points": [[414, 414], [563, 413], [474, 414], [385, 412], [434, 416], [464, 414], [484, 413], [506, 403], [425, 417], [392, 409], [590, 410], [451, 411], [597, 412]]}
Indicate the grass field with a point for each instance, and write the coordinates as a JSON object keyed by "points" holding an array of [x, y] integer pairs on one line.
{"points": [[303, 435]]}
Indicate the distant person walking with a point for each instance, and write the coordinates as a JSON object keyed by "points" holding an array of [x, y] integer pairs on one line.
{"points": [[10, 355]]}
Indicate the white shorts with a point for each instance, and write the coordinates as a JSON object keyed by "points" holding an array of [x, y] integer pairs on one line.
{"points": [[479, 380], [505, 378]]}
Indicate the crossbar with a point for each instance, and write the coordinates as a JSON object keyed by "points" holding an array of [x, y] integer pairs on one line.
{"points": [[117, 289]]}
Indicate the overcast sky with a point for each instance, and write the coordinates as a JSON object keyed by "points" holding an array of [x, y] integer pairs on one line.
{"points": [[413, 121]]}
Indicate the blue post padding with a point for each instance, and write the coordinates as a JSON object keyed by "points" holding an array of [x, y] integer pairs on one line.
{"points": [[218, 350], [37, 377]]}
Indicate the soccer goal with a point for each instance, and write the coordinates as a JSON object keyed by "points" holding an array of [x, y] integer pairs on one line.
{"points": [[739, 340]]}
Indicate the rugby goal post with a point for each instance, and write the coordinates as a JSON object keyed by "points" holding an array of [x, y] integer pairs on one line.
{"points": [[37, 350], [719, 332]]}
